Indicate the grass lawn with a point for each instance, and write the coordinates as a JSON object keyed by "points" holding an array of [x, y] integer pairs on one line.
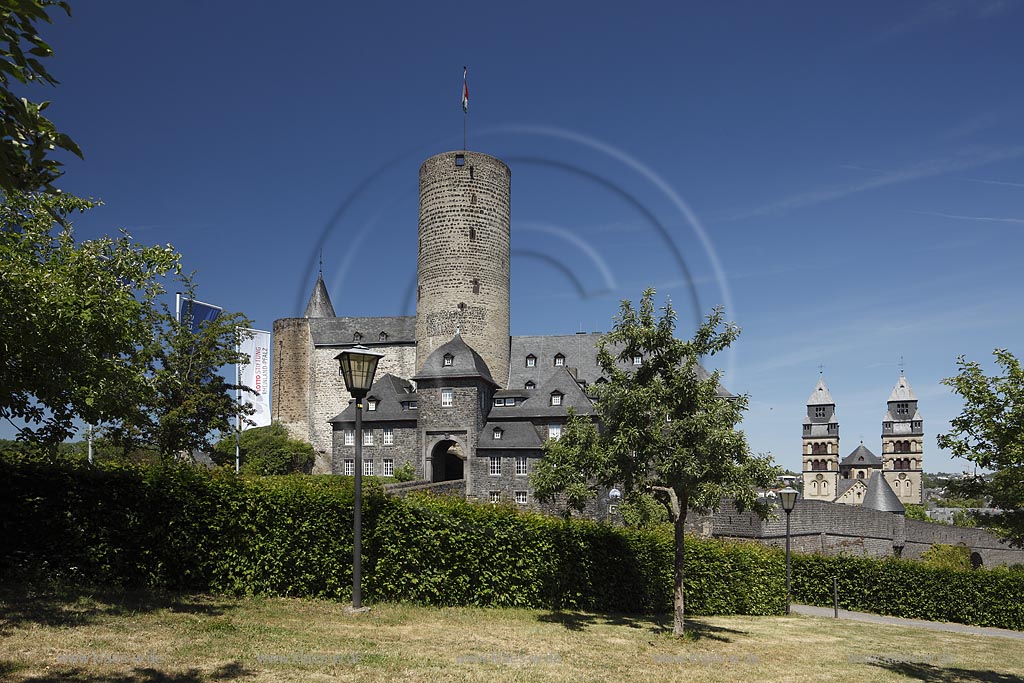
{"points": [[147, 637]]}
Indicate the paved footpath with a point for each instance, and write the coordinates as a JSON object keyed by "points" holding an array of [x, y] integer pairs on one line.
{"points": [[914, 623]]}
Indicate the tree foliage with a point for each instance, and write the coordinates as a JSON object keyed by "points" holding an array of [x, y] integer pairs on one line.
{"points": [[666, 428], [27, 137], [567, 474], [75, 317], [990, 433], [265, 450]]}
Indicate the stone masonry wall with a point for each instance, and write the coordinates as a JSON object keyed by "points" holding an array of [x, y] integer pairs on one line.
{"points": [[292, 348], [461, 421], [404, 450]]}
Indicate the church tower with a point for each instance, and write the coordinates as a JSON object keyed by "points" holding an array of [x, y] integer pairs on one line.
{"points": [[821, 445], [903, 444]]}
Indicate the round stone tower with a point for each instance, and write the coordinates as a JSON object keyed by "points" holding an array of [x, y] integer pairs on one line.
{"points": [[463, 275]]}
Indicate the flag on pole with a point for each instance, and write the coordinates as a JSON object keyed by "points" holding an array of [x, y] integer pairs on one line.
{"points": [[255, 374], [195, 312], [465, 92]]}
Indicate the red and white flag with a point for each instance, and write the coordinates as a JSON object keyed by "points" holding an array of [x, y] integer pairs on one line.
{"points": [[465, 92]]}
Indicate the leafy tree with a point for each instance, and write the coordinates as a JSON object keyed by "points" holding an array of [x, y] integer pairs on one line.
{"points": [[566, 474], [26, 135], [75, 318], [265, 450], [665, 428], [916, 512], [990, 433], [406, 472], [942, 556], [187, 399]]}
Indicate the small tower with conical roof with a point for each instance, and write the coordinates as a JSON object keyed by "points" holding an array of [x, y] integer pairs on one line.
{"points": [[821, 445], [903, 444], [319, 305]]}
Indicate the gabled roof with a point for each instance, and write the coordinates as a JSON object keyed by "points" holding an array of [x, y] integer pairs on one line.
{"points": [[513, 435], [465, 363], [846, 484], [389, 392], [902, 391], [319, 305], [881, 497], [342, 331], [538, 403], [861, 457], [821, 395]]}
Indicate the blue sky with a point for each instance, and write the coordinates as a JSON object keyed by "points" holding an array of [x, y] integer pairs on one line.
{"points": [[848, 179]]}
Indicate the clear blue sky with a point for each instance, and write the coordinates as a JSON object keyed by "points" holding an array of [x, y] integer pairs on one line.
{"points": [[847, 178]]}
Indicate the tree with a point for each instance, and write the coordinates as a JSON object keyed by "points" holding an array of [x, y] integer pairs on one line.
{"points": [[942, 556], [75, 318], [990, 433], [665, 427], [566, 475], [26, 135], [187, 399], [265, 450]]}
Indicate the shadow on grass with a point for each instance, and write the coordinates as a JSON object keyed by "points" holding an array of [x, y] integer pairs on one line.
{"points": [[945, 674], [21, 606], [225, 672], [660, 624]]}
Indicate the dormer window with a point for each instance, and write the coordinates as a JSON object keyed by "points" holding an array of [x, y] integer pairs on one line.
{"points": [[559, 360], [556, 398], [371, 404], [499, 402], [383, 337], [638, 359], [449, 360], [530, 386], [357, 337], [531, 361], [498, 431]]}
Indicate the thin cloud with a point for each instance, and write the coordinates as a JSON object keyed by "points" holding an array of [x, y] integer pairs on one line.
{"points": [[994, 182], [970, 158], [987, 219]]}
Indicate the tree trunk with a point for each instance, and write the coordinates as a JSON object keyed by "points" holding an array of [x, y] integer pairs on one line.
{"points": [[679, 599]]}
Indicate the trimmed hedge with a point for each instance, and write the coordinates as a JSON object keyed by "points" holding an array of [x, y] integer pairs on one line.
{"points": [[905, 588]]}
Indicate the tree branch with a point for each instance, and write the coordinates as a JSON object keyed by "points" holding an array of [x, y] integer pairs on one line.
{"points": [[672, 498]]}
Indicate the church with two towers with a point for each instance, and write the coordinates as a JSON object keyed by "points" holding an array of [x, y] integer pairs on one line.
{"points": [[863, 478]]}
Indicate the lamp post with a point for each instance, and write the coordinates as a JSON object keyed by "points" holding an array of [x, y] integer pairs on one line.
{"points": [[788, 497], [358, 366]]}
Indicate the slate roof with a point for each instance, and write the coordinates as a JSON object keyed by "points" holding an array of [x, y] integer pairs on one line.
{"points": [[854, 459], [465, 363], [319, 305], [514, 435], [845, 485], [821, 395], [539, 402], [902, 391], [881, 497], [390, 392], [342, 331]]}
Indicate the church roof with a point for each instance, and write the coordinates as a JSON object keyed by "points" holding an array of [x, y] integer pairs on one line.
{"points": [[465, 362], [861, 457], [513, 435], [881, 497], [902, 391], [389, 392], [821, 395], [319, 305], [846, 484]]}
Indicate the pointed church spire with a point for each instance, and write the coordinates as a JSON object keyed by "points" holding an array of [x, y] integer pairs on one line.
{"points": [[319, 305]]}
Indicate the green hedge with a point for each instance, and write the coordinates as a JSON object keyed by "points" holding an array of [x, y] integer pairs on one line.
{"points": [[905, 588]]}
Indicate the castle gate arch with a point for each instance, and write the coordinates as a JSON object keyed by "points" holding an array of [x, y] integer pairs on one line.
{"points": [[446, 460]]}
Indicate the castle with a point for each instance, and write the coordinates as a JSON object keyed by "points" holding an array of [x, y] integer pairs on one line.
{"points": [[456, 397], [862, 478]]}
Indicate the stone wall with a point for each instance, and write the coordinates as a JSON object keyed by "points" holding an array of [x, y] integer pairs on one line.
{"points": [[404, 450], [292, 348], [508, 482]]}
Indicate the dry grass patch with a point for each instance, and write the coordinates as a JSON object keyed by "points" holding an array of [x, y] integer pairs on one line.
{"points": [[97, 637]]}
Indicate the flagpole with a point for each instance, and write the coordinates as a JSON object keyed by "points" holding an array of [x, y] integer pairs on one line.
{"points": [[238, 414], [465, 108]]}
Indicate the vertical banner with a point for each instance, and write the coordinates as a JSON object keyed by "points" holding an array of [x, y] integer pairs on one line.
{"points": [[256, 374]]}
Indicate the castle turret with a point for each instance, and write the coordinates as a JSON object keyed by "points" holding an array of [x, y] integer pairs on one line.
{"points": [[903, 444], [821, 445], [319, 305], [463, 275]]}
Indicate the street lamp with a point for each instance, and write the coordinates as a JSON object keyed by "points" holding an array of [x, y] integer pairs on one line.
{"points": [[358, 366], [788, 497]]}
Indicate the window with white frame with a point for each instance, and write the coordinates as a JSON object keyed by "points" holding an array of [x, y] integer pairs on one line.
{"points": [[554, 431], [449, 360], [368, 437], [495, 496], [498, 432], [350, 437], [388, 467], [520, 497], [447, 396], [530, 386], [371, 404], [349, 468], [556, 398], [559, 360], [499, 402], [495, 466], [389, 436], [521, 469], [368, 468], [531, 361], [638, 359]]}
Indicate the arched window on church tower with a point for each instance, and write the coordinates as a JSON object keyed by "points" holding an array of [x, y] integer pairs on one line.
{"points": [[824, 488]]}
